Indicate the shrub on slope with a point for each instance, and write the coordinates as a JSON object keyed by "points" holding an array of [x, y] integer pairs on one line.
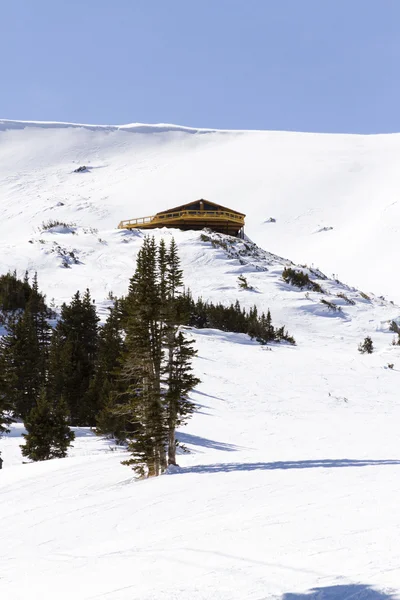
{"points": [[300, 280]]}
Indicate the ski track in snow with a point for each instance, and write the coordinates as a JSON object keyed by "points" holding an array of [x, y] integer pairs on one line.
{"points": [[290, 490]]}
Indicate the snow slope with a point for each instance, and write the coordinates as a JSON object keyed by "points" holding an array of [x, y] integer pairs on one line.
{"points": [[287, 489], [290, 491], [307, 182]]}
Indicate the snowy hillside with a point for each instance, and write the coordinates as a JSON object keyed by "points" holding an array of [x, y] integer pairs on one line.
{"points": [[309, 183], [290, 490]]}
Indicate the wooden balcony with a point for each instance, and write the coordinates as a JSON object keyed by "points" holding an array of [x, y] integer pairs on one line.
{"points": [[222, 221]]}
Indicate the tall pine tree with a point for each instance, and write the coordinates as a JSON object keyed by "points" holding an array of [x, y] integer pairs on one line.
{"points": [[24, 352], [179, 379], [157, 361], [73, 355], [107, 385], [142, 364], [180, 382]]}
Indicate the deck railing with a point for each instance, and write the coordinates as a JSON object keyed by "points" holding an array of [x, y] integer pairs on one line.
{"points": [[218, 215]]}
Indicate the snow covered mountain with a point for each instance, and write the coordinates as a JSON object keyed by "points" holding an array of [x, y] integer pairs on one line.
{"points": [[308, 182], [290, 490]]}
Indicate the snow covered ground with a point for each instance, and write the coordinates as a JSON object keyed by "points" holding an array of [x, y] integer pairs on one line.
{"points": [[307, 182], [290, 491]]}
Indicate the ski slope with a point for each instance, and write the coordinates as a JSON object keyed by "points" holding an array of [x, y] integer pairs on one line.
{"points": [[307, 182], [290, 490]]}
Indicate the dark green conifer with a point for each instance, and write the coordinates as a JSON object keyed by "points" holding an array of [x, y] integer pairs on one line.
{"points": [[179, 353], [48, 434], [107, 384], [73, 354], [180, 382], [156, 375], [24, 352], [14, 293], [141, 368]]}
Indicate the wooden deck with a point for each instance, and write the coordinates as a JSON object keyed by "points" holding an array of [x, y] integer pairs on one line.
{"points": [[218, 220]]}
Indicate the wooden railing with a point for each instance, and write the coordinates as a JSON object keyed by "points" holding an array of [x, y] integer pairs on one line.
{"points": [[218, 215]]}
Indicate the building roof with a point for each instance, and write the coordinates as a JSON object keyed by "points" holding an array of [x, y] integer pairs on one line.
{"points": [[186, 206]]}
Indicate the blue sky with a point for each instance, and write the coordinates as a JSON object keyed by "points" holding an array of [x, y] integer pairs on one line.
{"points": [[305, 65]]}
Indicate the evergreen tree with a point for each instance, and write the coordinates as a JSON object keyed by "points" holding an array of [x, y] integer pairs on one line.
{"points": [[180, 382], [49, 435], [5, 415], [141, 369], [9, 346], [14, 293], [6, 411], [107, 384], [156, 365], [179, 353], [24, 353], [163, 272], [174, 272], [233, 318], [73, 355], [155, 375]]}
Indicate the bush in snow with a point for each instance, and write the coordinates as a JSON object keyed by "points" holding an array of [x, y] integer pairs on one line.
{"points": [[367, 346], [300, 280], [243, 283], [346, 298], [331, 305], [56, 223], [365, 296]]}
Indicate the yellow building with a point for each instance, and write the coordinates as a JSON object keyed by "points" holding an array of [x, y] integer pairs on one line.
{"points": [[194, 215]]}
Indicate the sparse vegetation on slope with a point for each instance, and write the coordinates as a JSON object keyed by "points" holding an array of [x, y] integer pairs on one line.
{"points": [[243, 283], [367, 346], [233, 318], [51, 223], [348, 300], [300, 280], [331, 305]]}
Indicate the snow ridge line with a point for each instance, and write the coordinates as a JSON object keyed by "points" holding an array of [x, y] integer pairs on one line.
{"points": [[6, 124]]}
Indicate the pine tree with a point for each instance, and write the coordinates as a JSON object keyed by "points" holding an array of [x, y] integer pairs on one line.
{"points": [[163, 272], [49, 435], [14, 293], [180, 382], [73, 355], [6, 411], [107, 384], [9, 346], [5, 417], [141, 369], [24, 352], [156, 374], [179, 352], [175, 273]]}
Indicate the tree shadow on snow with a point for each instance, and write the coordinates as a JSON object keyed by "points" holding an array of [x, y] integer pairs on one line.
{"points": [[207, 395], [341, 592], [279, 465], [83, 432], [195, 440]]}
